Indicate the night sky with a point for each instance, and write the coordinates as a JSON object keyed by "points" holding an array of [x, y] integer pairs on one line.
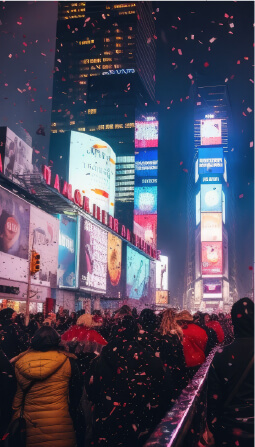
{"points": [[27, 60]]}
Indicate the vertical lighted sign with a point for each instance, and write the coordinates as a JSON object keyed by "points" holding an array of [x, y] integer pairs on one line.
{"points": [[146, 176]]}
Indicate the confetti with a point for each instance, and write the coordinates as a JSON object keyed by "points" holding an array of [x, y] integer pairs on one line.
{"points": [[212, 39], [180, 52]]}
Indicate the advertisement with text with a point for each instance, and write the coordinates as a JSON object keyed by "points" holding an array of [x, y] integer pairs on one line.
{"points": [[18, 156], [210, 160], [162, 273], [211, 258], [161, 297], [146, 130], [116, 271], [211, 227], [210, 132], [67, 253]]}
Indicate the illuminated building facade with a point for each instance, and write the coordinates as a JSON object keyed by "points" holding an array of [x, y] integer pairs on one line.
{"points": [[210, 280], [104, 70]]}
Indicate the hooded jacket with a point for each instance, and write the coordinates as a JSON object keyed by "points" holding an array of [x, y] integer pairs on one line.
{"points": [[46, 411], [194, 344]]}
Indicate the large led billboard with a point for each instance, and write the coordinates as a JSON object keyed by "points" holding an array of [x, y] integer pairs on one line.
{"points": [[67, 251], [116, 267], [212, 288], [146, 130], [18, 156], [211, 258], [44, 238], [162, 273], [210, 160], [146, 167], [138, 274], [14, 236], [152, 283], [210, 131], [93, 257], [92, 165], [211, 198], [145, 200], [211, 227], [161, 297], [198, 208], [148, 225]]}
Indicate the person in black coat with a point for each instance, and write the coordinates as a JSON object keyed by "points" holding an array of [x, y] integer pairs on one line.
{"points": [[230, 412], [13, 339], [7, 392], [199, 319], [148, 337], [126, 385]]}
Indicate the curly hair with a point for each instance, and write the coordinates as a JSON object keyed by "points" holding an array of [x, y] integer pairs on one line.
{"points": [[169, 325]]}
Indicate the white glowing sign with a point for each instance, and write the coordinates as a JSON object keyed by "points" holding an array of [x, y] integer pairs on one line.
{"points": [[122, 71]]}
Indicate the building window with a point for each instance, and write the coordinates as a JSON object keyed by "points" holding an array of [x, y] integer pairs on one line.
{"points": [[81, 129], [118, 51], [129, 125], [100, 127], [124, 5], [119, 126], [109, 126], [106, 67], [119, 38], [95, 61], [118, 45], [86, 42], [92, 111], [108, 53], [107, 59]]}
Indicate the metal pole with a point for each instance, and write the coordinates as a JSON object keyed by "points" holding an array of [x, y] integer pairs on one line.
{"points": [[29, 277]]}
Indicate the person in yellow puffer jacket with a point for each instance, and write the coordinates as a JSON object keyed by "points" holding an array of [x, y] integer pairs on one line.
{"points": [[56, 389]]}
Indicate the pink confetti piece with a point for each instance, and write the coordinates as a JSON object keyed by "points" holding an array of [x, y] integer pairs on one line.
{"points": [[231, 25], [226, 80], [185, 170], [87, 20], [251, 80], [10, 56], [149, 40], [181, 163], [238, 62], [103, 16], [206, 64], [249, 109], [246, 58], [192, 60], [43, 54], [192, 36], [173, 49], [180, 52], [251, 143], [190, 76], [244, 114], [212, 39], [226, 15]]}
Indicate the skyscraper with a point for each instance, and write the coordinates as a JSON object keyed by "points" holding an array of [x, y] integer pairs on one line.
{"points": [[104, 71]]}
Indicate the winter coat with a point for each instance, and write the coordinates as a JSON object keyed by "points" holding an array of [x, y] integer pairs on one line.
{"points": [[7, 391], [215, 325], [194, 344], [13, 339], [46, 410]]}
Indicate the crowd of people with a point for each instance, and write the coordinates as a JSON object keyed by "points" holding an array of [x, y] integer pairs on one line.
{"points": [[108, 380]]}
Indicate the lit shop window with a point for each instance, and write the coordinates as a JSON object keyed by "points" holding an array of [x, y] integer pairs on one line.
{"points": [[92, 111], [109, 126], [86, 42], [84, 61], [119, 126]]}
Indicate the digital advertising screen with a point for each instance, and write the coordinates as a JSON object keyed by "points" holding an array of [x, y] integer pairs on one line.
{"points": [[44, 240], [67, 251], [211, 258], [145, 200], [92, 165], [198, 208], [116, 267], [212, 288], [210, 131], [161, 297], [146, 130], [18, 156], [197, 252], [211, 227], [211, 198], [138, 274], [93, 257], [162, 273], [210, 179], [225, 253], [210, 160], [148, 223], [14, 236], [152, 283], [146, 167], [223, 207]]}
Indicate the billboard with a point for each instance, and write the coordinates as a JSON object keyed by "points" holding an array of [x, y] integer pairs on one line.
{"points": [[44, 231], [210, 160], [138, 273], [198, 208], [146, 130], [225, 252], [211, 198], [93, 257], [211, 258], [162, 273], [210, 179], [67, 251], [148, 224], [146, 167], [145, 200], [223, 207], [18, 156], [211, 227], [14, 236], [152, 283], [92, 165], [116, 263], [212, 288], [161, 297], [210, 131], [197, 252]]}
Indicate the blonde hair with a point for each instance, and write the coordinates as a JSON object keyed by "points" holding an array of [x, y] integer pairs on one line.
{"points": [[169, 324]]}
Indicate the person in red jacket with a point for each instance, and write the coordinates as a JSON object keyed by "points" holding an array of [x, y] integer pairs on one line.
{"points": [[194, 341], [212, 322]]}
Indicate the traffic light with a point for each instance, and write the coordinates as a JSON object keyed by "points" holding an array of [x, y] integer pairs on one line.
{"points": [[35, 262]]}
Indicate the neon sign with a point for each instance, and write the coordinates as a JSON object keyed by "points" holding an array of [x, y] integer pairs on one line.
{"points": [[122, 71]]}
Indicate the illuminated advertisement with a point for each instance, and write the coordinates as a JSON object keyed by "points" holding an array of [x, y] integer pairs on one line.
{"points": [[210, 132], [210, 160], [152, 283], [197, 253], [67, 251], [138, 273], [146, 130], [212, 288], [211, 227], [211, 198], [148, 225], [116, 273], [145, 200], [162, 273], [14, 236], [210, 179], [211, 258], [198, 208], [44, 230], [223, 207], [18, 156], [93, 257], [161, 297], [92, 165], [146, 167], [196, 171], [225, 253]]}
